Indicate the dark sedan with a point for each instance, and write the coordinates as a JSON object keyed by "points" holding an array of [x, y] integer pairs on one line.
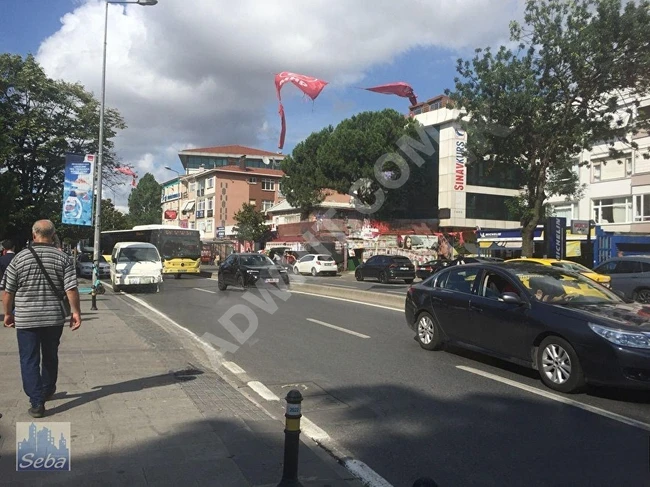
{"points": [[386, 268], [429, 268], [245, 270], [571, 329]]}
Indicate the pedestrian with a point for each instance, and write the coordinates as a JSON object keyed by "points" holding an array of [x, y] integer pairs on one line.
{"points": [[36, 282], [8, 253]]}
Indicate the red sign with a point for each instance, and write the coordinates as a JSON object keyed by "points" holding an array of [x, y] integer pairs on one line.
{"points": [[170, 214], [183, 224]]}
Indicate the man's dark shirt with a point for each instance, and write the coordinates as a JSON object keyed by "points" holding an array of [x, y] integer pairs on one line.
{"points": [[4, 263]]}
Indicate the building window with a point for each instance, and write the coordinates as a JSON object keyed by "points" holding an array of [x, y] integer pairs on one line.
{"points": [[613, 210], [208, 226], [494, 175], [252, 180], [201, 188], [267, 205], [252, 202], [482, 206], [210, 183], [192, 225], [268, 184], [563, 212], [642, 208], [210, 203], [192, 187], [200, 206], [608, 169]]}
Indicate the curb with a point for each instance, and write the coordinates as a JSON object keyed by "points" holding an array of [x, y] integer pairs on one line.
{"points": [[368, 297]]}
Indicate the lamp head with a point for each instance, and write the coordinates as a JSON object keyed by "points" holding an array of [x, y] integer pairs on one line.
{"points": [[147, 3]]}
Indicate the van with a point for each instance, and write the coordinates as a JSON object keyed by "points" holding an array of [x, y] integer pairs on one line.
{"points": [[135, 264]]}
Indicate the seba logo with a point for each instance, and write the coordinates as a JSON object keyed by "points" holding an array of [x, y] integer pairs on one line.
{"points": [[42, 446]]}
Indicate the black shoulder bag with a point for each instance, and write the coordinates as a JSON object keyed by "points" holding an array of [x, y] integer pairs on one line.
{"points": [[64, 301]]}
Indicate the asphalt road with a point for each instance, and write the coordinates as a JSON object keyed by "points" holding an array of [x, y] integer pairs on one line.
{"points": [[407, 412]]}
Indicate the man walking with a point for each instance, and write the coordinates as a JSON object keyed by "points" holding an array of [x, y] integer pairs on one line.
{"points": [[39, 318], [8, 248]]}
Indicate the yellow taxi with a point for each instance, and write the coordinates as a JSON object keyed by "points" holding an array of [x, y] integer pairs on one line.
{"points": [[569, 266]]}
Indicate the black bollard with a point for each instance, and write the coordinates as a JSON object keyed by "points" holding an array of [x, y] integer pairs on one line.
{"points": [[291, 440], [425, 482], [93, 294]]}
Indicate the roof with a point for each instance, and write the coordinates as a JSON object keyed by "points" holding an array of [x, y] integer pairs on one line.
{"points": [[233, 150], [248, 170], [285, 206], [135, 244]]}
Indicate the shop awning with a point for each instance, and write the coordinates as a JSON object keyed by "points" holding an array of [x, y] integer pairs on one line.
{"points": [[501, 245], [189, 206]]}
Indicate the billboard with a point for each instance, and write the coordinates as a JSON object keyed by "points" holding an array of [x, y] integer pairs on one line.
{"points": [[78, 190]]}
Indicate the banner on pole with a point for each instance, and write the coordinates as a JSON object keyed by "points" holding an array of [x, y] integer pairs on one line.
{"points": [[78, 190]]}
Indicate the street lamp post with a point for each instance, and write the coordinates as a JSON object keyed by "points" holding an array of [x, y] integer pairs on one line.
{"points": [[178, 180], [100, 154]]}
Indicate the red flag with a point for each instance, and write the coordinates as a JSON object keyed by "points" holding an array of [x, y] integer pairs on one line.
{"points": [[126, 170], [400, 89], [309, 85]]}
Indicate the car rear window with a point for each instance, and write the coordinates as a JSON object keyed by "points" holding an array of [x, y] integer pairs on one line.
{"points": [[324, 258], [401, 260]]}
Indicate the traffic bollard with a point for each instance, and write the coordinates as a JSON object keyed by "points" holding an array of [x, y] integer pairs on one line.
{"points": [[291, 440], [93, 294], [425, 482]]}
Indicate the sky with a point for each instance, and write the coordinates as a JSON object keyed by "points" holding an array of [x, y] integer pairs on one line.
{"points": [[200, 73]]}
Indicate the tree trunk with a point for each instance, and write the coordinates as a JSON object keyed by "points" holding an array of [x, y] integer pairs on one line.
{"points": [[527, 235]]}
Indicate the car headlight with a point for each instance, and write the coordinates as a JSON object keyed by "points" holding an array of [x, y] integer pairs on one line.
{"points": [[622, 338], [251, 272]]}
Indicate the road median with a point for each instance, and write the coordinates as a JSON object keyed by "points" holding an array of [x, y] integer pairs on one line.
{"points": [[368, 297]]}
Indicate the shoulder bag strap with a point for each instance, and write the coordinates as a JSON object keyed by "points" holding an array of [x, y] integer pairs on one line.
{"points": [[47, 276]]}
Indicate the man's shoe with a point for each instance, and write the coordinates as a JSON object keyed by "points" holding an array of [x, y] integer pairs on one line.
{"points": [[50, 395], [37, 411]]}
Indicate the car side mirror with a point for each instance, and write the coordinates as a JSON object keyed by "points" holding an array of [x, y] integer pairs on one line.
{"points": [[511, 298]]}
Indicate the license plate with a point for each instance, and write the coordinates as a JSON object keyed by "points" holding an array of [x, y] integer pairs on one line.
{"points": [[134, 281], [327, 263], [404, 268], [271, 281]]}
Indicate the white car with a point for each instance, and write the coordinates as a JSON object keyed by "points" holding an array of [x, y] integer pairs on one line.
{"points": [[84, 266], [316, 264]]}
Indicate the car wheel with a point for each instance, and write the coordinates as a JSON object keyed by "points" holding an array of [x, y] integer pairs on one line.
{"points": [[408, 281], [559, 366], [221, 284], [314, 272], [428, 332], [116, 288], [641, 296], [295, 270], [241, 282], [383, 278], [358, 275]]}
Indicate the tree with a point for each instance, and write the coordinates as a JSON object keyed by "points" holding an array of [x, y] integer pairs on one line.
{"points": [[536, 109], [251, 224], [112, 218], [336, 158], [43, 119], [144, 202]]}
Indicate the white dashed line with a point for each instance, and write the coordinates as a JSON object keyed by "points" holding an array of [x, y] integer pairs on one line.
{"points": [[204, 290], [334, 327], [234, 368]]}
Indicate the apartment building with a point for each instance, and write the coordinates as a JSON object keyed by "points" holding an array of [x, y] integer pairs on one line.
{"points": [[617, 190], [216, 184], [468, 196]]}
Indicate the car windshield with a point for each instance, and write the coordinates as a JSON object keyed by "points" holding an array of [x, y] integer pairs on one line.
{"points": [[138, 254], [256, 260], [560, 287], [571, 266]]}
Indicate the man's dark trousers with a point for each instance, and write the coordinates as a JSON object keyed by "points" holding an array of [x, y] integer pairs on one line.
{"points": [[33, 343]]}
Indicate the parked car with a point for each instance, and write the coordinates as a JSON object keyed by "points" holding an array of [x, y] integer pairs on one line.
{"points": [[461, 260], [568, 327], [428, 268], [386, 268], [316, 264], [84, 266], [249, 269], [629, 275], [569, 266]]}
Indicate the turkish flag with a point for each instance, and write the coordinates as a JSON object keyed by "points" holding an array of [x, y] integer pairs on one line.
{"points": [[399, 88]]}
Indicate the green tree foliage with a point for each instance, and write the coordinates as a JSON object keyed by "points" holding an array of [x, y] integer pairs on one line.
{"points": [[112, 218], [144, 202], [336, 158], [537, 108], [41, 120], [251, 224]]}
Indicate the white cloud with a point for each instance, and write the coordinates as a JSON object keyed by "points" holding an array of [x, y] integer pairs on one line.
{"points": [[198, 73]]}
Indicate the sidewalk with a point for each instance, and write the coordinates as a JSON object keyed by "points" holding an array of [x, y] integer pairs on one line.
{"points": [[146, 409]]}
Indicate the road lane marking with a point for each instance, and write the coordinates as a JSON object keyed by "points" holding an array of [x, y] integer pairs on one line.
{"points": [[555, 397], [234, 368], [339, 285], [399, 310], [204, 290], [365, 473], [262, 390], [397, 292], [334, 327], [312, 430]]}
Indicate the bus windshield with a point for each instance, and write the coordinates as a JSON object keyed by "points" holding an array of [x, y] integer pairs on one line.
{"points": [[180, 246]]}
